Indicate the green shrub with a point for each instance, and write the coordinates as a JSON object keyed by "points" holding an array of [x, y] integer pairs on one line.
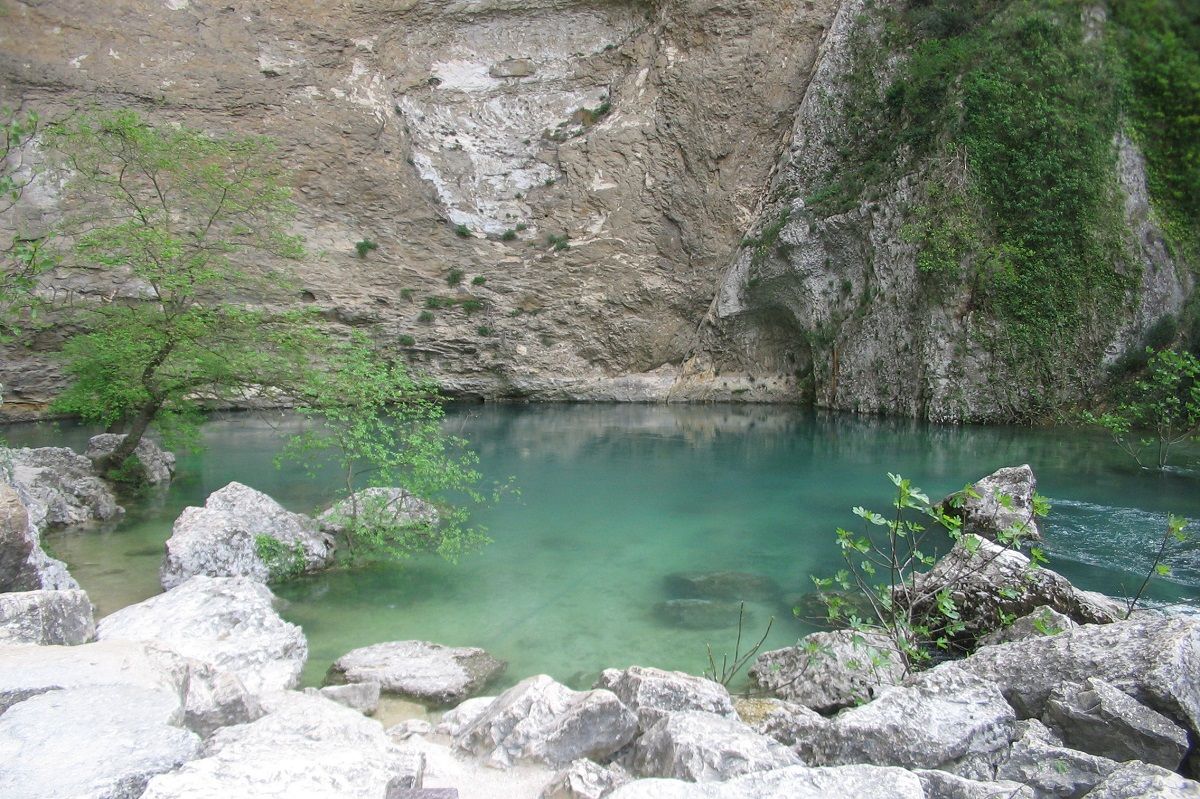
{"points": [[558, 242], [406, 340], [508, 235], [425, 317], [282, 562], [484, 331], [462, 231], [365, 246], [478, 280], [471, 306], [455, 277]]}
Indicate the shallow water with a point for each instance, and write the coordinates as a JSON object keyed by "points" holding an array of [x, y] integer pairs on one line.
{"points": [[614, 498]]}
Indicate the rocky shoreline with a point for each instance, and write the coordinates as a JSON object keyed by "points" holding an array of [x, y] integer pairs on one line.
{"points": [[194, 692]]}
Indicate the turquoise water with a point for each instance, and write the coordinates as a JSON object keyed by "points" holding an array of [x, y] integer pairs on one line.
{"points": [[614, 498]]}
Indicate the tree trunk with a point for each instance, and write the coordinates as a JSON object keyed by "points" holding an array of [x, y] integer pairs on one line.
{"points": [[133, 437]]}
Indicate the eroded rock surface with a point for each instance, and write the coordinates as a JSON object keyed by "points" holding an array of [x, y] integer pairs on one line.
{"points": [[828, 671], [46, 617], [702, 747], [64, 483], [654, 694], [419, 670]]}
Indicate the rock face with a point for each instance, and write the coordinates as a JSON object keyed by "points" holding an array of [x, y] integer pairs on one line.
{"points": [[226, 622], [305, 746], [829, 671], [701, 747], [46, 617], [389, 506], [540, 720], [429, 673], [156, 465], [1097, 718], [1004, 505], [1038, 760], [103, 741], [64, 483], [220, 539], [24, 565], [988, 581], [795, 782], [1135, 780], [941, 717], [1153, 659], [654, 694], [943, 785]]}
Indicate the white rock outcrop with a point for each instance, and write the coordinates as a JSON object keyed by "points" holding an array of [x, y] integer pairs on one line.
{"points": [[425, 672], [46, 617]]}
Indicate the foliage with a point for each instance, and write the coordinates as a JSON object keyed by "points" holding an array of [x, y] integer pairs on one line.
{"points": [[282, 562], [454, 277], [406, 340], [172, 212], [381, 427], [883, 564], [1159, 567], [484, 331], [1165, 402], [365, 246], [462, 231], [478, 280], [508, 235], [558, 242], [23, 256], [425, 317], [730, 666]]}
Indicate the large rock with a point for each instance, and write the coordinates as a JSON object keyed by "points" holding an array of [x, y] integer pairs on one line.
{"points": [[939, 718], [794, 726], [1003, 507], [154, 464], [306, 746], [1154, 659], [46, 617], [1137, 780], [24, 565], [65, 483], [944, 785], [221, 539], [1037, 760], [1042, 621], [1097, 718], [721, 585], [541, 720], [828, 671], [585, 779], [360, 696], [702, 747], [989, 582], [101, 742], [653, 694], [227, 622], [388, 507], [465, 714], [794, 782], [429, 673]]}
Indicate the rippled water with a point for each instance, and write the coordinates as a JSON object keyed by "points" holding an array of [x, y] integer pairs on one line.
{"points": [[615, 498]]}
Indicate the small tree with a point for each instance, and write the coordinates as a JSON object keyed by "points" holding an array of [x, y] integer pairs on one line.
{"points": [[174, 213], [23, 255], [1164, 403], [381, 428]]}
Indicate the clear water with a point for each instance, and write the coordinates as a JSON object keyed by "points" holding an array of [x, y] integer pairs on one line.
{"points": [[614, 498]]}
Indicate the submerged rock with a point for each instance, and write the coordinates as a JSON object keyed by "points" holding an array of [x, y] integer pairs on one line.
{"points": [[64, 483], [541, 720], [97, 741], [426, 672], [699, 614], [222, 539], [829, 671], [154, 464], [654, 694], [702, 747], [306, 746], [721, 585], [1004, 505], [227, 622], [46, 617]]}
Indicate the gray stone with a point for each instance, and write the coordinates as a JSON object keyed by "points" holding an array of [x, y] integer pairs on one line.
{"points": [[156, 464], [409, 728], [103, 741], [1004, 505], [584, 779], [46, 617], [1042, 621], [360, 696], [794, 726], [828, 671], [702, 747], [794, 782], [24, 565], [513, 68], [1052, 770], [426, 672], [463, 715], [1153, 659], [989, 582], [219, 540], [653, 693], [379, 506], [227, 622], [540, 720], [1097, 718], [217, 698], [933, 721], [64, 483], [699, 614], [944, 785], [1137, 781], [304, 746], [721, 585]]}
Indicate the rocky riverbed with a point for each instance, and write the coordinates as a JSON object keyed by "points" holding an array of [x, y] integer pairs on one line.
{"points": [[194, 692]]}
